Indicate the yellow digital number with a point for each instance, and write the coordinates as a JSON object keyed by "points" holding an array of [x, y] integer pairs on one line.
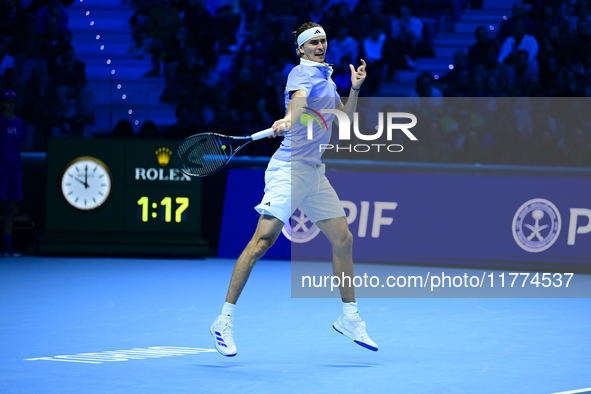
{"points": [[144, 203], [184, 204], [167, 202]]}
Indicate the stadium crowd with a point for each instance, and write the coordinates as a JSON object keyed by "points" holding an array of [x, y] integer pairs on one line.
{"points": [[38, 63], [542, 50], [225, 64]]}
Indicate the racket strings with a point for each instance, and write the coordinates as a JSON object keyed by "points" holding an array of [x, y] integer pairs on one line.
{"points": [[203, 155]]}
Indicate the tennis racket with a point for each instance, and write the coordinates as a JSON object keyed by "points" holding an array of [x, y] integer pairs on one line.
{"points": [[205, 154]]}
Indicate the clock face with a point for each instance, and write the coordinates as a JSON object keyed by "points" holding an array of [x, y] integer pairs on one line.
{"points": [[86, 183]]}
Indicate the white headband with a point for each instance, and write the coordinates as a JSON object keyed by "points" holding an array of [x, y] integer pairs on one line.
{"points": [[309, 34]]}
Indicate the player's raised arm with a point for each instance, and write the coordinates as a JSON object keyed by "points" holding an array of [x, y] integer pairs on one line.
{"points": [[358, 76]]}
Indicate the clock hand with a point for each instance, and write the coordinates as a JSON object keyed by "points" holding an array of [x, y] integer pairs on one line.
{"points": [[81, 182], [86, 176]]}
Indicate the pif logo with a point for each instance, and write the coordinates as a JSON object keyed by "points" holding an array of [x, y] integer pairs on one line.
{"points": [[537, 223], [300, 229]]}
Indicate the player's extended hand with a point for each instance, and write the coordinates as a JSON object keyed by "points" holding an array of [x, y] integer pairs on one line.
{"points": [[358, 76], [279, 127]]}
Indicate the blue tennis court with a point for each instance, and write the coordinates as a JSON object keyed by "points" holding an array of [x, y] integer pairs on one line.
{"points": [[146, 323]]}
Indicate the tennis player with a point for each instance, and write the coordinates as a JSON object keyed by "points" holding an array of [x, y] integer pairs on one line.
{"points": [[295, 178]]}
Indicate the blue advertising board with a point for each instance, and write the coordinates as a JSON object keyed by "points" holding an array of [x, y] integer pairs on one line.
{"points": [[244, 190], [439, 218]]}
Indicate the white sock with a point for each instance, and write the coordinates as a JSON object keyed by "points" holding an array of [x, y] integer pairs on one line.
{"points": [[350, 309], [228, 310]]}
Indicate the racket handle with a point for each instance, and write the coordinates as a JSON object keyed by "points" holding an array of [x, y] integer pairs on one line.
{"points": [[259, 135]]}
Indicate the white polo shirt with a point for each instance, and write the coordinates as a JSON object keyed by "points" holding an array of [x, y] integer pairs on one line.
{"points": [[315, 79]]}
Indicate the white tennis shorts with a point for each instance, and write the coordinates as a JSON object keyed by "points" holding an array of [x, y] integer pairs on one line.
{"points": [[289, 185]]}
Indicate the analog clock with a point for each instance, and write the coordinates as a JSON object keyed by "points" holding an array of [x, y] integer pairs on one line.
{"points": [[86, 183]]}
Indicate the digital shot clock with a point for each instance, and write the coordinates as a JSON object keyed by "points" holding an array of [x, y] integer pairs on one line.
{"points": [[166, 209], [123, 196]]}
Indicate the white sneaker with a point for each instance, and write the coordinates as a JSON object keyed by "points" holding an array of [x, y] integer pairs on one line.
{"points": [[221, 329], [355, 330]]}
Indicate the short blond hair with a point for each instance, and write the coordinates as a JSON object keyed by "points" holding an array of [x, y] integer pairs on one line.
{"points": [[300, 30]]}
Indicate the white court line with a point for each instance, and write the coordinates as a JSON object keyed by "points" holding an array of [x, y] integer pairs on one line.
{"points": [[125, 355], [581, 391]]}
